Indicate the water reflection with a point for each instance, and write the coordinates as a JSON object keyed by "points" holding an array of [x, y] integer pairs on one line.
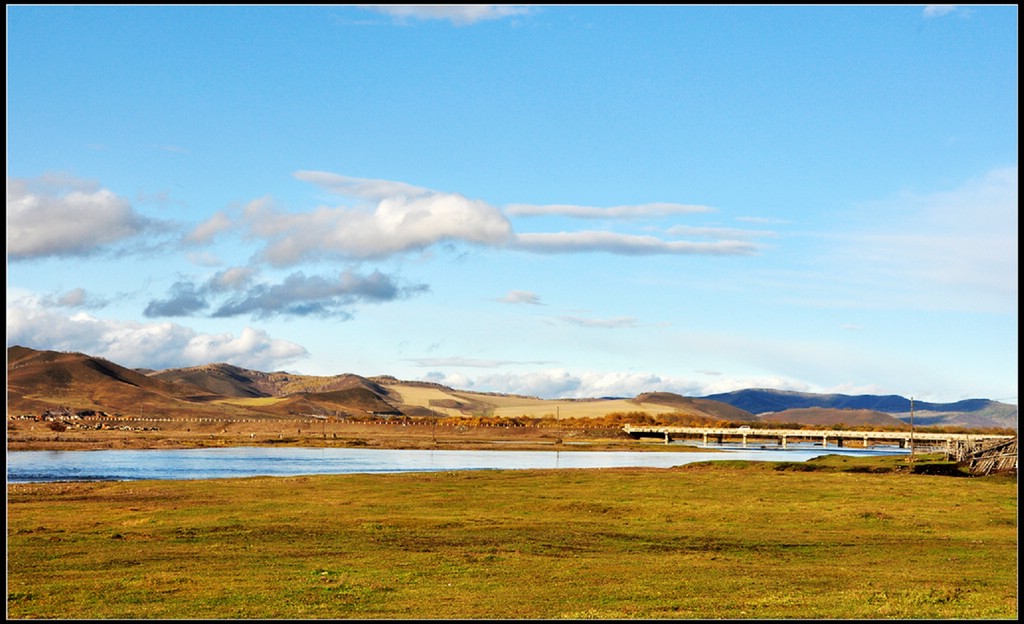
{"points": [[28, 466]]}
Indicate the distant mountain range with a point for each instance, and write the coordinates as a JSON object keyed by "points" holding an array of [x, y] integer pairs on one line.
{"points": [[972, 413], [40, 382]]}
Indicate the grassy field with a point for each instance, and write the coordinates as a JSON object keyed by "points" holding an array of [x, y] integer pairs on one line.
{"points": [[827, 539]]}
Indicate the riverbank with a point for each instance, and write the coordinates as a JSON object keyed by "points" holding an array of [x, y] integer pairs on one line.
{"points": [[29, 435], [703, 541]]}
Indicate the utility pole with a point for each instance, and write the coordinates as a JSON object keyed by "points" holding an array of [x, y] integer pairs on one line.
{"points": [[911, 429]]}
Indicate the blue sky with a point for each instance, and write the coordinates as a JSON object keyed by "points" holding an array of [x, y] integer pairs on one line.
{"points": [[560, 201]]}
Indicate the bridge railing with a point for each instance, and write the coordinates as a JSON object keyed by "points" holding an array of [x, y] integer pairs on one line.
{"points": [[814, 433]]}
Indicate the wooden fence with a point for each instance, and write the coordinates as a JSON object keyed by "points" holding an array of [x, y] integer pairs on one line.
{"points": [[987, 457]]}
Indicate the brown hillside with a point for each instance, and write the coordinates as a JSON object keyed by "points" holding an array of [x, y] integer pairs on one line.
{"points": [[70, 383], [699, 407], [355, 401], [42, 380], [222, 379], [233, 381], [832, 417]]}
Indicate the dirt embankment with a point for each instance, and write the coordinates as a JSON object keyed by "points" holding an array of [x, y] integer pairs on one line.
{"points": [[25, 435]]}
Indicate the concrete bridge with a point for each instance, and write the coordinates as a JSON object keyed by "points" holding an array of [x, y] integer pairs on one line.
{"points": [[839, 438]]}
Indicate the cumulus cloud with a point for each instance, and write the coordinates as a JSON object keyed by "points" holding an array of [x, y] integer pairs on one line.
{"points": [[72, 299], [521, 296], [458, 14], [66, 217], [640, 211], [393, 217], [235, 278], [297, 295], [543, 384], [564, 384], [143, 345], [204, 232], [625, 244], [301, 295], [185, 299], [383, 217], [76, 298]]}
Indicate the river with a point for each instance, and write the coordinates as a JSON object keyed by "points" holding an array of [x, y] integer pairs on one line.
{"points": [[218, 463]]}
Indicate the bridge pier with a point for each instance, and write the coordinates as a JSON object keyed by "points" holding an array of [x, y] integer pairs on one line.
{"points": [[925, 440]]}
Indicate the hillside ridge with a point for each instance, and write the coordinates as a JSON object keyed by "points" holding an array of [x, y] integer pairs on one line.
{"points": [[40, 381]]}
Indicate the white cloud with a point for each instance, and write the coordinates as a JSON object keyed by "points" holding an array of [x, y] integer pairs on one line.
{"points": [[142, 345], [363, 188], [388, 217], [204, 232], [72, 299], [204, 258], [399, 217], [66, 217], [461, 362], [954, 249], [75, 298], [938, 10], [717, 232], [297, 295], [458, 14], [625, 244], [618, 322], [563, 384], [640, 211], [235, 278], [521, 296], [252, 349]]}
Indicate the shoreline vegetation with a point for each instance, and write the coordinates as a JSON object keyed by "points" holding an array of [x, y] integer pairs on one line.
{"points": [[26, 434]]}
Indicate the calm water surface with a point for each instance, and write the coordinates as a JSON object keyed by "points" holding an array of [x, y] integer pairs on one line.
{"points": [[217, 463]]}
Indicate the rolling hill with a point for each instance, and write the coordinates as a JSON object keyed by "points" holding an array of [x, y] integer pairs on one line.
{"points": [[58, 382], [827, 416], [38, 381], [713, 410]]}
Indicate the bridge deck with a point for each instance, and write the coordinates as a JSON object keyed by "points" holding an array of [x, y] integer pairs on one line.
{"points": [[839, 436]]}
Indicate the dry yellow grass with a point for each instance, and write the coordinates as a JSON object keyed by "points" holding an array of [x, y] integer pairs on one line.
{"points": [[614, 544], [506, 406], [428, 398]]}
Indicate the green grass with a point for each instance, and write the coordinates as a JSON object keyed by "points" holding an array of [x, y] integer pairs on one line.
{"points": [[704, 541]]}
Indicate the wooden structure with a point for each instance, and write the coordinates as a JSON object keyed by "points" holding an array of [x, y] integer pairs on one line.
{"points": [[985, 457]]}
